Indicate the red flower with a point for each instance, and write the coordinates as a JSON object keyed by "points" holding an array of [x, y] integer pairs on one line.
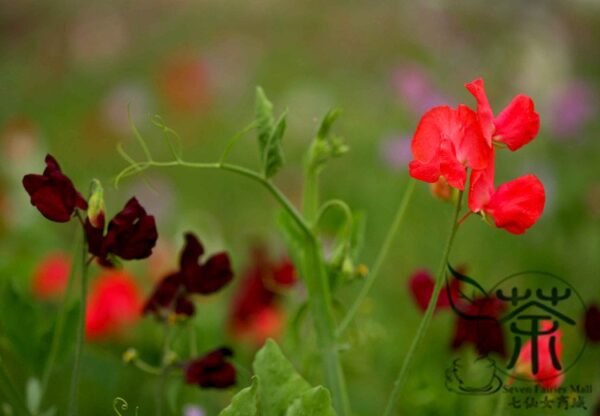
{"points": [[113, 305], [131, 234], [514, 206], [515, 126], [592, 323], [478, 325], [445, 143], [421, 285], [212, 370], [51, 276], [548, 375], [172, 293], [52, 193], [255, 315]]}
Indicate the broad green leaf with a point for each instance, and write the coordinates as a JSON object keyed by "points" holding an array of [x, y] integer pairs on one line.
{"points": [[280, 384], [244, 403], [314, 402]]}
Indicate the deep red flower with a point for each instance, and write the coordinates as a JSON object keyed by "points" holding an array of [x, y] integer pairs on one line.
{"points": [[514, 206], [515, 126], [212, 370], [421, 285], [52, 193], [592, 323], [447, 141], [255, 314], [478, 325], [172, 293], [51, 276], [547, 376], [131, 234], [113, 305]]}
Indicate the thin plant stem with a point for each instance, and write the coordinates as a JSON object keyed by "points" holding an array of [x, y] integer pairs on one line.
{"points": [[60, 324], [383, 252], [162, 380], [426, 320], [80, 334]]}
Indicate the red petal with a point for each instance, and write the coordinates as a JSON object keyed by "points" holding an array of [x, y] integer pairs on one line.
{"points": [[471, 146], [518, 123], [426, 172], [430, 132], [481, 187], [451, 169], [484, 110], [517, 204], [191, 252]]}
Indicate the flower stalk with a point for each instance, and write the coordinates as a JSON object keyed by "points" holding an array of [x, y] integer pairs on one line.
{"points": [[426, 320]]}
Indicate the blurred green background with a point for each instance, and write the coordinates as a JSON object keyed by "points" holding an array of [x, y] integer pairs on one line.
{"points": [[69, 71]]}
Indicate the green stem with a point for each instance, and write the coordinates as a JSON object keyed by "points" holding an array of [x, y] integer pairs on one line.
{"points": [[425, 321], [383, 252], [162, 381], [80, 335], [310, 202], [60, 325], [323, 320], [11, 392]]}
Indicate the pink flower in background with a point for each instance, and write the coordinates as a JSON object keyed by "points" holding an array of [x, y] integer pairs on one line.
{"points": [[114, 304], [395, 151], [415, 90], [193, 410], [572, 108], [121, 102], [51, 276]]}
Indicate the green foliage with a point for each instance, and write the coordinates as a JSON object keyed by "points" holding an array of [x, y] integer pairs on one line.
{"points": [[326, 145], [278, 390], [270, 135]]}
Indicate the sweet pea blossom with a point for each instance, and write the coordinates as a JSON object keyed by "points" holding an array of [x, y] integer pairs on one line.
{"points": [[212, 370], [514, 206], [515, 126], [53, 193], [592, 323], [51, 276], [114, 304], [446, 142], [421, 285], [131, 234], [172, 293]]}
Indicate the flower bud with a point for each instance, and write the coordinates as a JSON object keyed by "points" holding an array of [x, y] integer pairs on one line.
{"points": [[441, 190], [129, 355], [95, 210]]}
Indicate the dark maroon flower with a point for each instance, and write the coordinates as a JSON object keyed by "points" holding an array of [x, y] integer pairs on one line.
{"points": [[131, 234], [204, 278], [172, 294], [52, 193], [592, 323], [421, 285], [212, 370], [478, 325]]}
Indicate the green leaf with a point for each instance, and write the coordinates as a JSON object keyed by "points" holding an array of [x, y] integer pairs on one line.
{"points": [[280, 384], [314, 402], [273, 158], [244, 403], [270, 134]]}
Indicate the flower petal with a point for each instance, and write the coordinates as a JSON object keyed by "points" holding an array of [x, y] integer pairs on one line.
{"points": [[481, 187], [517, 204], [484, 110], [518, 123]]}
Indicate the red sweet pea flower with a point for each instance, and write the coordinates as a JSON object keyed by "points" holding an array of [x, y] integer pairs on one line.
{"points": [[52, 193], [515, 126], [131, 234], [478, 325], [445, 143], [548, 375], [421, 285], [514, 206], [212, 370], [51, 276], [255, 314], [113, 305], [592, 323], [172, 294]]}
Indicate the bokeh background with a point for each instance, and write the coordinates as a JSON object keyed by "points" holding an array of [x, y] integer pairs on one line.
{"points": [[70, 70]]}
